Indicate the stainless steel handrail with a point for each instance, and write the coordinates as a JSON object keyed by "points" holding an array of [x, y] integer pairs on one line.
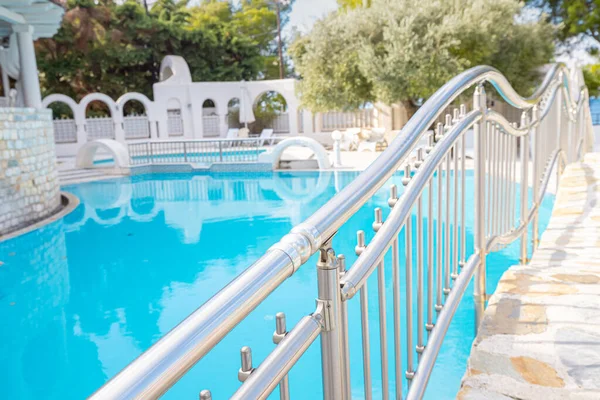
{"points": [[157, 369], [356, 276]]}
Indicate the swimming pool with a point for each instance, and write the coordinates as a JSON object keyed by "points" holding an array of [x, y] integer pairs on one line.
{"points": [[82, 297]]}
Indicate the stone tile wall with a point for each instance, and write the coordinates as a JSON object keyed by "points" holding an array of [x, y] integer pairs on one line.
{"points": [[29, 187]]}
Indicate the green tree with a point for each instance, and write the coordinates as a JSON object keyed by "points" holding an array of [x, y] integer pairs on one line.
{"points": [[576, 21], [172, 11], [574, 18], [401, 51], [591, 74], [113, 47]]}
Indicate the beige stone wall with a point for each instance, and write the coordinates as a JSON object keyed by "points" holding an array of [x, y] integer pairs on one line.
{"points": [[29, 187]]}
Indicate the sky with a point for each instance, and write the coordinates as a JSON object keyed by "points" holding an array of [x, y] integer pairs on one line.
{"points": [[306, 12]]}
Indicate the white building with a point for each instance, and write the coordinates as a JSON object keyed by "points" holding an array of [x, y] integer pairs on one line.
{"points": [[183, 109]]}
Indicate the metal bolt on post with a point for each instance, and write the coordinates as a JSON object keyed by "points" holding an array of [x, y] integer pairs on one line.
{"points": [[278, 335], [246, 369]]}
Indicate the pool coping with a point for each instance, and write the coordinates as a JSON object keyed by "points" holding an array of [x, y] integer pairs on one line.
{"points": [[540, 332], [68, 203]]}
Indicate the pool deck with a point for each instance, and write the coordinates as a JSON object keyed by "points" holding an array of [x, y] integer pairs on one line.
{"points": [[540, 336]]}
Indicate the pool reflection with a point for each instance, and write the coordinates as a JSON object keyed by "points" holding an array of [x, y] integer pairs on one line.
{"points": [[82, 297]]}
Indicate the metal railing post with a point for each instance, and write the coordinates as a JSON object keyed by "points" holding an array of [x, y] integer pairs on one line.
{"points": [[480, 133], [535, 137], [329, 297], [220, 151], [525, 192]]}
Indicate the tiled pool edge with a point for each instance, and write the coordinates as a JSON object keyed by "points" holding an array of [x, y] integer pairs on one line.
{"points": [[540, 336], [69, 202]]}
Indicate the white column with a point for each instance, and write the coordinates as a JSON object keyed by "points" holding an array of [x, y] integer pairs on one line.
{"points": [[293, 119], [29, 79], [307, 122]]}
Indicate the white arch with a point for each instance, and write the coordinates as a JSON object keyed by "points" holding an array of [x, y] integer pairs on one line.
{"points": [[272, 157], [78, 116], [173, 104], [175, 70], [148, 104], [61, 98], [284, 192], [112, 106], [86, 154], [275, 90], [216, 107]]}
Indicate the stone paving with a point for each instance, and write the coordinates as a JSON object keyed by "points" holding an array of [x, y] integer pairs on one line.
{"points": [[540, 336]]}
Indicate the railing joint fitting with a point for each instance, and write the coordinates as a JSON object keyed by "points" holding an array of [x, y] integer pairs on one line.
{"points": [[324, 315]]}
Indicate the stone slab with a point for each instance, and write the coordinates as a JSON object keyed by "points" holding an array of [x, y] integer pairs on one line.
{"points": [[540, 335]]}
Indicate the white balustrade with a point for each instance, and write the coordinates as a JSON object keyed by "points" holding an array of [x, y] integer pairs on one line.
{"points": [[65, 131], [211, 124], [174, 123], [100, 128], [136, 127], [338, 120]]}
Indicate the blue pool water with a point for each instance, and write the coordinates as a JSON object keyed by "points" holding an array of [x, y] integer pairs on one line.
{"points": [[82, 297]]}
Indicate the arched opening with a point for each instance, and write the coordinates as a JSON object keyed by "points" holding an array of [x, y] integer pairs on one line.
{"points": [[65, 128], [210, 119], [271, 112], [233, 114], [99, 121], [174, 120], [143, 205], [135, 120]]}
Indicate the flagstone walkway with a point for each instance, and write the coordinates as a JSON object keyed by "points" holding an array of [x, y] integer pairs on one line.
{"points": [[540, 336]]}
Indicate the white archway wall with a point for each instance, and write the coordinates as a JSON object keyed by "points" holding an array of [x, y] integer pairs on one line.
{"points": [[221, 93], [176, 84]]}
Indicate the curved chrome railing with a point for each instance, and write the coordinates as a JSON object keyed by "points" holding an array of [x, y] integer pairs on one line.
{"points": [[552, 121]]}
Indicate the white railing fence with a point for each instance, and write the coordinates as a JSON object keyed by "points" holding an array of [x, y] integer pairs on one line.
{"points": [[136, 127], [337, 120], [281, 123], [65, 131], [174, 123], [211, 125], [554, 129], [100, 128]]}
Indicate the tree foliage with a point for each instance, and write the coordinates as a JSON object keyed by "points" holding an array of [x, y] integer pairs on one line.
{"points": [[576, 21], [398, 51], [591, 74], [116, 46], [350, 4], [573, 17]]}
